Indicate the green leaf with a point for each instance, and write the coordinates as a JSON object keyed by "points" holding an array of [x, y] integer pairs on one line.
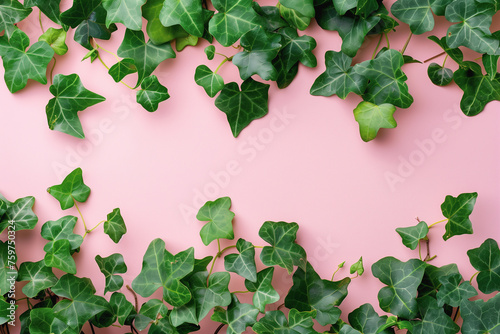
{"points": [[270, 15], [182, 42], [357, 267], [127, 12], [80, 11], [114, 226], [49, 7], [122, 68], [242, 107], [431, 280], [486, 259], [157, 32], [454, 53], [412, 235], [56, 38], [150, 311], [233, 19], [44, 320], [237, 317], [21, 214], [243, 263], [284, 78], [296, 48], [220, 220], [93, 26], [146, 56], [210, 81], [339, 77], [309, 292], [58, 255], [304, 7], [8, 272], [440, 76], [346, 329], [11, 12], [478, 89], [342, 6], [21, 64], [92, 54], [490, 64], [70, 190], [457, 210], [294, 18], [417, 13], [260, 48], [210, 52], [121, 307], [434, 320], [263, 290], [473, 29], [402, 280], [367, 321], [186, 13], [151, 93], [61, 229], [80, 302], [366, 7], [453, 291], [284, 251], [38, 275], [480, 316], [276, 322], [70, 97], [372, 118], [208, 297], [387, 80], [110, 266]]}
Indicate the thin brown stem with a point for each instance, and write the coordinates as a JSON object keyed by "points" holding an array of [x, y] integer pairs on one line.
{"points": [[434, 57], [406, 43], [135, 296], [219, 328]]}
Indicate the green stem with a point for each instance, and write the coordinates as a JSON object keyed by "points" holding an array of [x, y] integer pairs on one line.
{"points": [[378, 45], [473, 276], [52, 70], [445, 59], [83, 220], [107, 67], [441, 221], [93, 228], [258, 246], [338, 268], [406, 43], [387, 40], [434, 57], [110, 52], [211, 269], [40, 20], [102, 61], [419, 250], [240, 292], [225, 249], [222, 63]]}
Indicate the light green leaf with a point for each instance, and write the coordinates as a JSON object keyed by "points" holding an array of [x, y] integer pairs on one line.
{"points": [[60, 229], [58, 255], [481, 316], [243, 263], [372, 118], [21, 214], [110, 266], [412, 235], [440, 76], [114, 226], [122, 68], [56, 38], [182, 42], [237, 317], [457, 210], [219, 219], [357, 267], [304, 7], [127, 12], [38, 275], [152, 93], [453, 291], [186, 13], [210, 81], [294, 18], [11, 12], [263, 290], [486, 259], [70, 190], [157, 32]]}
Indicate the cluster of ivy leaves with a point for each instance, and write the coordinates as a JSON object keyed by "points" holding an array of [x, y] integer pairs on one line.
{"points": [[419, 296], [269, 45]]}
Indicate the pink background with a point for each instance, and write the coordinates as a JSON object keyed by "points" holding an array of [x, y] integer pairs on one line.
{"points": [[303, 162]]}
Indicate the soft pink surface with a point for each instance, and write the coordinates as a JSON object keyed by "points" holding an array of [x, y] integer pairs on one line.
{"points": [[303, 162]]}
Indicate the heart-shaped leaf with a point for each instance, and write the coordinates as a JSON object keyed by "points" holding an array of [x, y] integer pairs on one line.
{"points": [[121, 306], [372, 118], [114, 226], [56, 38], [276, 322], [367, 321], [58, 255], [210, 81], [412, 235], [481, 316], [434, 319], [122, 68], [70, 190], [440, 76], [243, 263], [20, 214], [486, 259], [11, 12], [44, 320]]}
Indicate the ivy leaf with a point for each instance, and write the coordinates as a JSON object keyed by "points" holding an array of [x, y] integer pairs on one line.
{"points": [[208, 297], [58, 255], [271, 17], [431, 280], [387, 80], [276, 322], [21, 213], [38, 275], [114, 226], [237, 317], [440, 76], [44, 320], [81, 303], [260, 48], [127, 12], [339, 77], [146, 56], [219, 219], [122, 68], [372, 118], [210, 52], [473, 29], [70, 97], [366, 7], [187, 13], [342, 6], [79, 12], [480, 316], [110, 266], [357, 267], [157, 32], [454, 53], [412, 235], [490, 64], [304, 7], [61, 229], [233, 19], [284, 78], [150, 311], [7, 268], [457, 210], [182, 42], [70, 190], [486, 259], [284, 251], [478, 89], [346, 329], [309, 292], [263, 290], [418, 13], [121, 307], [244, 263], [296, 48], [453, 291], [49, 7], [434, 320], [402, 280], [152, 93], [367, 321], [294, 18], [242, 107], [56, 38], [21, 64], [210, 81], [11, 12], [92, 55]]}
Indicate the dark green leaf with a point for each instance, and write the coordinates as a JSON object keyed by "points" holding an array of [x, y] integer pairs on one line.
{"points": [[342, 6], [186, 13], [58, 255], [411, 60], [8, 272], [56, 38], [44, 320], [146, 56], [110, 266], [486, 259], [220, 220], [242, 107], [21, 64], [296, 48], [434, 320], [11, 12], [480, 316], [457, 210], [208, 297], [402, 280], [452, 292], [21, 214], [416, 13], [114, 226], [62, 228], [149, 312], [284, 77], [490, 64], [70, 190], [348, 330], [294, 18], [93, 26], [49, 7], [237, 317], [439, 75], [454, 53], [121, 306], [122, 68], [271, 17], [210, 81], [127, 12], [276, 322], [70, 97], [151, 93], [367, 321], [372, 118], [79, 11], [243, 263], [210, 52], [263, 290], [412, 235], [431, 280]]}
